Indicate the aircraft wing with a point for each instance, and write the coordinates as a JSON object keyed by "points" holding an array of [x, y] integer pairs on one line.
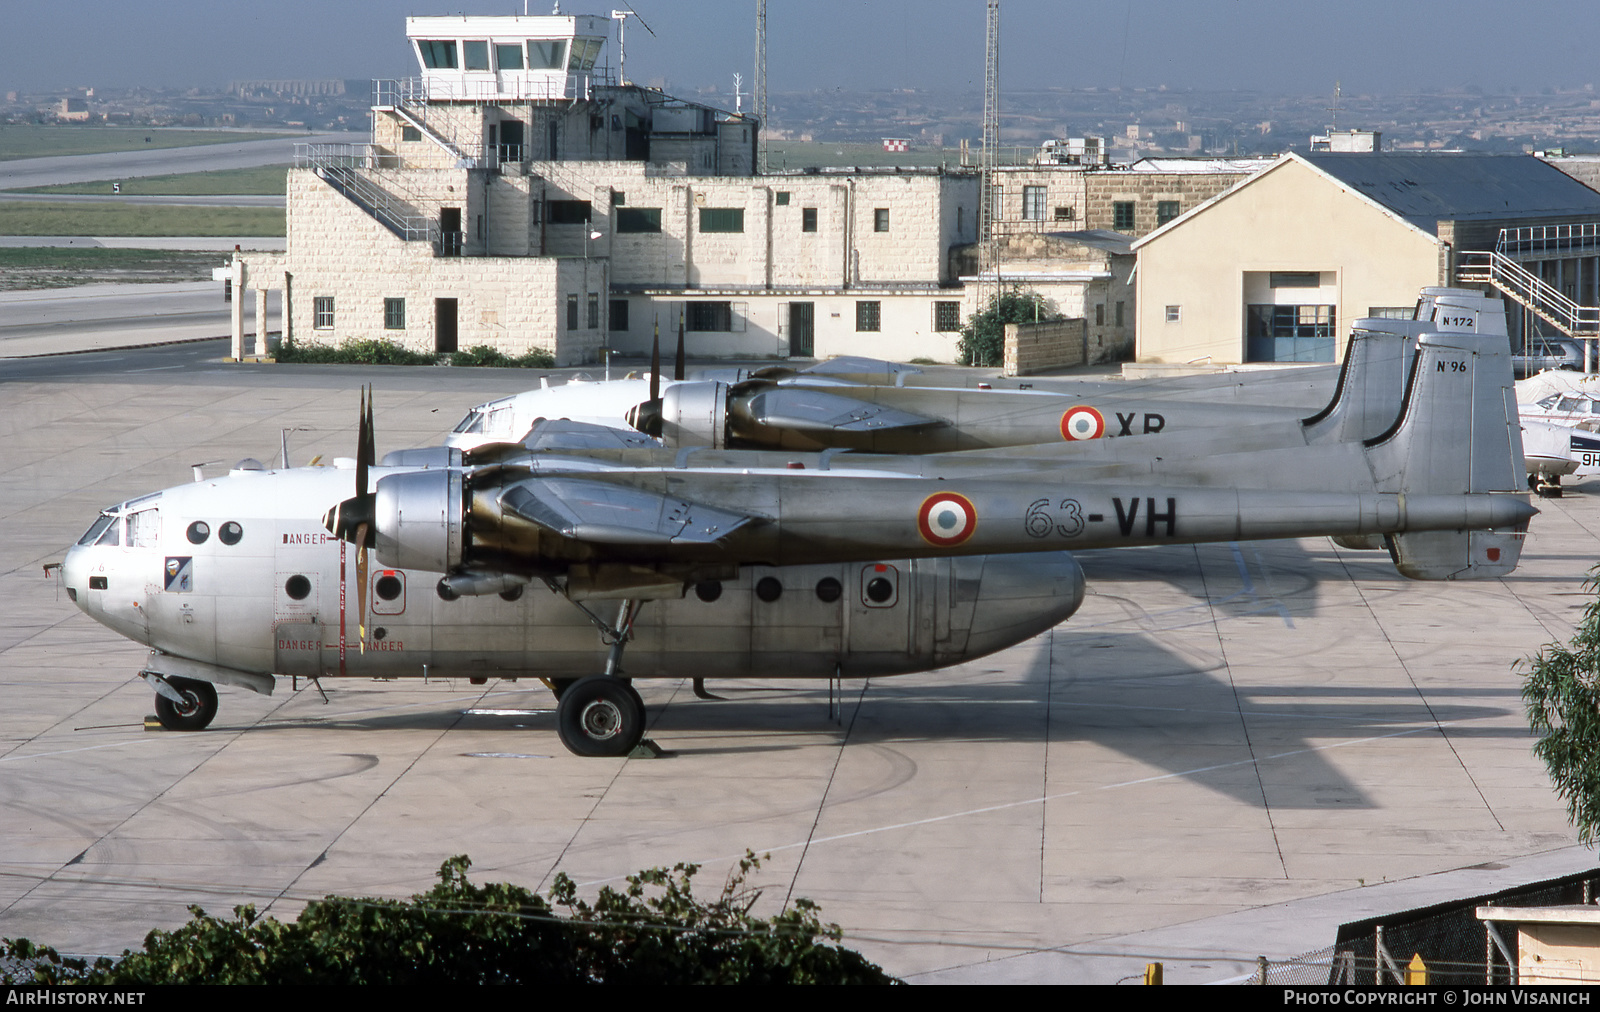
{"points": [[810, 410], [598, 511]]}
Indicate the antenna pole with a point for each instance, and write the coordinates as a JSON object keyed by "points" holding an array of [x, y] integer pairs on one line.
{"points": [[761, 86], [988, 261]]}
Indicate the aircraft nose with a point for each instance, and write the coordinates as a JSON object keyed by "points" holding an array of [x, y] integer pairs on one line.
{"points": [[1021, 596], [74, 575]]}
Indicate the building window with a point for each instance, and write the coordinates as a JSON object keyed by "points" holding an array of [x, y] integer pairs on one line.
{"points": [[618, 315], [880, 219], [475, 54], [1033, 203], [594, 311], [572, 312], [410, 133], [717, 316], [1122, 215], [1166, 210], [1393, 312], [1290, 333], [946, 317], [1065, 214], [322, 312], [508, 57], [783, 198], [568, 212], [638, 219], [1100, 314], [394, 314], [868, 317], [1174, 314], [808, 219], [1119, 314], [618, 198], [722, 219], [1294, 279]]}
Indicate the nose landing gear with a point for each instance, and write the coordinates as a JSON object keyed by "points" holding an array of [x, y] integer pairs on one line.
{"points": [[183, 704]]}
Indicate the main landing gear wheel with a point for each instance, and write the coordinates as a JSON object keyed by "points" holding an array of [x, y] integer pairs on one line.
{"points": [[600, 716], [197, 710]]}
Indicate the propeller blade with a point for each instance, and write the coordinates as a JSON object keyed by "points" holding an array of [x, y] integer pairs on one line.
{"points": [[655, 364], [677, 366], [350, 519], [361, 585]]}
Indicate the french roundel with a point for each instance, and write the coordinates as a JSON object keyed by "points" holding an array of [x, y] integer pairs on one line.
{"points": [[1082, 422], [946, 519]]}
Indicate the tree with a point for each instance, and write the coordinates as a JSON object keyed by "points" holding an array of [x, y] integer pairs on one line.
{"points": [[983, 339], [655, 931], [1562, 695]]}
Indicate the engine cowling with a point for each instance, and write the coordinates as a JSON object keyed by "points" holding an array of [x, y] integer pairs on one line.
{"points": [[419, 520], [695, 414]]}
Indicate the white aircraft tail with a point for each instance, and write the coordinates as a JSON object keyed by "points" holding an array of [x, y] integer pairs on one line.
{"points": [[1459, 432]]}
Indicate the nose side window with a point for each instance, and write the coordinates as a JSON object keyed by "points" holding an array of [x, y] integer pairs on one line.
{"points": [[144, 529]]}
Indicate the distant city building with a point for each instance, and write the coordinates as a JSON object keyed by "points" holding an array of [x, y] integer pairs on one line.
{"points": [[74, 110], [897, 145], [1348, 140]]}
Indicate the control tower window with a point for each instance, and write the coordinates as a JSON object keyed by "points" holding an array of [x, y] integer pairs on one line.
{"points": [[584, 52], [508, 57], [475, 54], [437, 54], [547, 54]]}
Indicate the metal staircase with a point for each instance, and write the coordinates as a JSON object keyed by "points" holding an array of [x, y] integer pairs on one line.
{"points": [[1501, 268], [339, 166]]}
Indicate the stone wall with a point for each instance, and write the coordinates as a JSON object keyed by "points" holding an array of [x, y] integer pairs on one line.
{"points": [[1036, 347], [1146, 191]]}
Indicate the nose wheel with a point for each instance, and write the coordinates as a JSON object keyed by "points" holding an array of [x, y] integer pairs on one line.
{"points": [[192, 710], [600, 716]]}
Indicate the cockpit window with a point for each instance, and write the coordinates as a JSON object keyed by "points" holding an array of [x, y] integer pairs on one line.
{"points": [[95, 530], [144, 527], [472, 423], [113, 534]]}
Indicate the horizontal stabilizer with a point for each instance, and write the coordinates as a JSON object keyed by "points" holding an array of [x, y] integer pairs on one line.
{"points": [[1456, 555], [604, 513], [803, 410]]}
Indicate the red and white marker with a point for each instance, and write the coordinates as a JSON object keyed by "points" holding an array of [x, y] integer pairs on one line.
{"points": [[946, 519], [1082, 422]]}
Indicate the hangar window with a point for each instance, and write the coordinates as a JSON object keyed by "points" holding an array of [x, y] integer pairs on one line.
{"points": [[638, 219], [722, 219], [568, 212], [1290, 333], [1294, 279], [1174, 314], [713, 316], [617, 318]]}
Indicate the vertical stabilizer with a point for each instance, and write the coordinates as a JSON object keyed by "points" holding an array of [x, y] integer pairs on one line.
{"points": [[1459, 432], [1371, 385]]}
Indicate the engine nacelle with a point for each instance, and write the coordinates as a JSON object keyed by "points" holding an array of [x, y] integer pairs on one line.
{"points": [[695, 414], [419, 520]]}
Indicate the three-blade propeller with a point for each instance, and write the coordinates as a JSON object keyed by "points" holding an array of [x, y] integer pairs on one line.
{"points": [[351, 520], [646, 417]]}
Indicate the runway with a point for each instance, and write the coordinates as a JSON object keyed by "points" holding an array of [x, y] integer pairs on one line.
{"points": [[1227, 752]]}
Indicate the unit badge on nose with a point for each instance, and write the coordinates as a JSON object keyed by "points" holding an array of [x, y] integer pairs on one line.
{"points": [[946, 519], [1082, 422], [180, 574]]}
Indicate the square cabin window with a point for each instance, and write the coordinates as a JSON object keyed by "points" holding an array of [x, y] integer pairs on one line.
{"points": [[869, 317], [783, 198], [322, 312], [808, 219], [880, 220], [394, 314]]}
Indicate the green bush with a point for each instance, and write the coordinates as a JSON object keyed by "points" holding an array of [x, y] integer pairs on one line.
{"points": [[483, 355], [653, 932], [353, 353], [983, 339]]}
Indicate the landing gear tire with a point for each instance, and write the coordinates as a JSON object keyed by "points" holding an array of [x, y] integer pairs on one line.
{"points": [[600, 716], [197, 710]]}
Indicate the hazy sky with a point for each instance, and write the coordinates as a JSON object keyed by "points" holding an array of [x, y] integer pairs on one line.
{"points": [[1288, 46]]}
